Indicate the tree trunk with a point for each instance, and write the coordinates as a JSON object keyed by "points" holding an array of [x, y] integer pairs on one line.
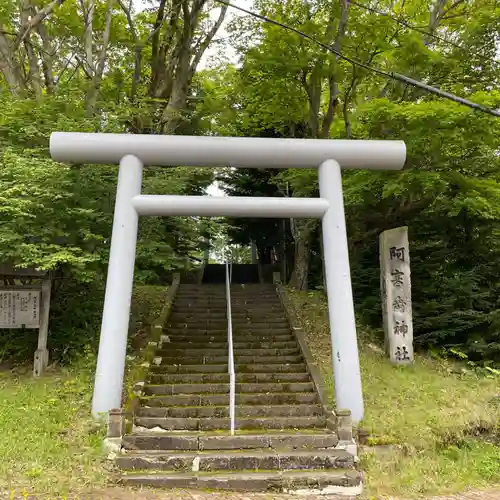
{"points": [[283, 262], [173, 112], [33, 71], [88, 10], [322, 259], [300, 275], [47, 55], [303, 230], [34, 74], [8, 67]]}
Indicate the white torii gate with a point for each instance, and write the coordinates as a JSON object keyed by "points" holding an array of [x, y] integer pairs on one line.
{"points": [[134, 151]]}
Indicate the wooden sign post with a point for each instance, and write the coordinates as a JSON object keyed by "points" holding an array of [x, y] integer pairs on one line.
{"points": [[25, 303]]}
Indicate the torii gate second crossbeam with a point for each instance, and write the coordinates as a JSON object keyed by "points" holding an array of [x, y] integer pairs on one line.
{"points": [[132, 152]]}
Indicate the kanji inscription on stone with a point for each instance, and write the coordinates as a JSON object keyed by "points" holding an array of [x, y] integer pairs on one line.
{"points": [[19, 309], [396, 294]]}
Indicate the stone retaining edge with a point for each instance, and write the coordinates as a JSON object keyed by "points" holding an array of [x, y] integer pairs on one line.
{"points": [[338, 420], [298, 332]]}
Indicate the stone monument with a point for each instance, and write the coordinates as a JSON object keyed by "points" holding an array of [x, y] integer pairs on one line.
{"points": [[396, 294]]}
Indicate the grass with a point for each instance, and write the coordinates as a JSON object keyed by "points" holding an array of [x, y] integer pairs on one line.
{"points": [[49, 444], [437, 415]]}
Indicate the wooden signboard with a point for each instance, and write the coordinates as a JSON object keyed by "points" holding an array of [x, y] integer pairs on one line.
{"points": [[19, 308]]}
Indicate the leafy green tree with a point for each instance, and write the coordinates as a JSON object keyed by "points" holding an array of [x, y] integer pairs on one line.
{"points": [[448, 192]]}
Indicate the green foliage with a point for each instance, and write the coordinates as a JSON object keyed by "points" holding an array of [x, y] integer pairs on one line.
{"points": [[449, 197], [75, 319], [59, 217], [266, 233], [45, 223], [448, 193], [55, 217]]}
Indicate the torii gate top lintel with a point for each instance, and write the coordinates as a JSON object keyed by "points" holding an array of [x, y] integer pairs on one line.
{"points": [[244, 152]]}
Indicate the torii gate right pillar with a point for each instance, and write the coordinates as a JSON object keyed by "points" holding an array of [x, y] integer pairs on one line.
{"points": [[345, 357]]}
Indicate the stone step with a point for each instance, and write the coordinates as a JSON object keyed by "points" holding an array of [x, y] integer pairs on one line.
{"points": [[208, 344], [254, 287], [237, 299], [239, 368], [301, 410], [222, 313], [235, 290], [237, 460], [173, 389], [247, 334], [238, 325], [222, 319], [251, 288], [219, 310], [222, 308], [222, 339], [263, 399], [313, 440], [203, 313], [259, 318], [199, 378], [242, 359], [241, 342], [221, 292], [202, 307], [204, 424], [341, 482], [240, 333], [191, 351]]}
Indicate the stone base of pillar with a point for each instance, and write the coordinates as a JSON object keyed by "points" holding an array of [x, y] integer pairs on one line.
{"points": [[116, 423]]}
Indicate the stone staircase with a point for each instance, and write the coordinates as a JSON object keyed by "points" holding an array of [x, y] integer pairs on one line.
{"points": [[282, 442]]}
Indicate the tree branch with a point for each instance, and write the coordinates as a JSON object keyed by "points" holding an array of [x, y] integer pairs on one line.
{"points": [[155, 45], [84, 67], [35, 20], [101, 61], [345, 107], [47, 55], [128, 14], [454, 5], [202, 47], [89, 33], [333, 90], [68, 62]]}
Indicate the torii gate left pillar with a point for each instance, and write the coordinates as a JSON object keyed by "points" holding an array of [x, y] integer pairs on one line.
{"points": [[134, 151]]}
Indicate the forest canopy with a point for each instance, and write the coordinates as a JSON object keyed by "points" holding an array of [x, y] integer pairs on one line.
{"points": [[193, 67]]}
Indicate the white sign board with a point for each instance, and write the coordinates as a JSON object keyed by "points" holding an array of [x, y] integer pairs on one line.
{"points": [[19, 309], [396, 294]]}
